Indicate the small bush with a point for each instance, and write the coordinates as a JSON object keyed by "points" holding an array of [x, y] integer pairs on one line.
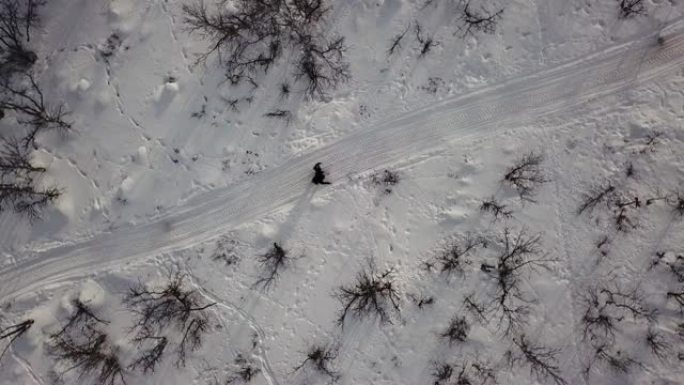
{"points": [[320, 358], [541, 360], [171, 306], [526, 175], [372, 294], [273, 261], [457, 331], [631, 8], [479, 21]]}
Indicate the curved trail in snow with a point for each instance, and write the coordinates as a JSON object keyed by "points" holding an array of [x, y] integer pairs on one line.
{"points": [[478, 114]]}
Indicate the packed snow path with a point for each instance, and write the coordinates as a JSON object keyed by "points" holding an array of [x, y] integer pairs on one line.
{"points": [[478, 114]]}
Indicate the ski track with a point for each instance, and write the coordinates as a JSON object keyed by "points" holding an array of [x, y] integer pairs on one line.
{"points": [[476, 115]]}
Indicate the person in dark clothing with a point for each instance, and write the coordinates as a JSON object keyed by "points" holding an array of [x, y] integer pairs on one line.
{"points": [[319, 175]]}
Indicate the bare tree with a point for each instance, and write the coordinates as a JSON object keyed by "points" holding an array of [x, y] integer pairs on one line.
{"points": [[541, 360], [479, 21], [90, 353], [426, 42], [526, 175], [631, 8], [454, 255], [387, 179], [372, 294], [251, 36], [171, 306], [592, 199], [616, 359], [457, 331], [17, 17], [519, 252], [272, 262], [497, 209], [606, 307], [396, 41], [12, 332], [657, 342], [18, 189], [320, 358], [28, 101]]}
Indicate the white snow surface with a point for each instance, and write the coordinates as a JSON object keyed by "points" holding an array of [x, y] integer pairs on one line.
{"points": [[150, 189]]}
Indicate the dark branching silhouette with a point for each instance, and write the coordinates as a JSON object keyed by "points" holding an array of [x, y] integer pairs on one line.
{"points": [[280, 115], [11, 333], [244, 372], [18, 189], [456, 331], [615, 359], [386, 179], [519, 253], [606, 308], [17, 18], [470, 373], [396, 41], [591, 200], [252, 36], [678, 297], [373, 293], [83, 346], [272, 262], [426, 42], [482, 21], [498, 210], [27, 99], [172, 306], [658, 343], [526, 175], [631, 8], [320, 358], [454, 256], [541, 360]]}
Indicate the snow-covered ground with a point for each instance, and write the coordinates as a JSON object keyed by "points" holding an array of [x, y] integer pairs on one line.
{"points": [[160, 172]]}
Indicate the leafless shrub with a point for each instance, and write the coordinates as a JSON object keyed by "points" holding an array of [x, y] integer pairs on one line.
{"points": [[592, 199], [320, 357], [454, 255], [601, 245], [387, 179], [457, 331], [87, 350], [526, 175], [251, 36], [171, 306], [658, 343], [607, 307], [623, 216], [541, 360], [272, 262], [226, 251], [469, 373], [17, 186], [426, 42], [245, 371], [479, 21], [676, 201], [280, 114], [631, 8], [17, 18], [149, 357], [396, 41], [9, 334], [678, 297], [495, 208], [421, 301], [372, 294], [28, 101], [475, 308], [616, 360], [518, 252]]}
